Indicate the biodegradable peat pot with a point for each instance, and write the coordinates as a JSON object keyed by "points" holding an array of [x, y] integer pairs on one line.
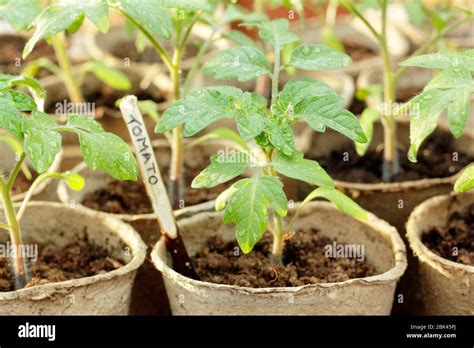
{"points": [[103, 294], [373, 295], [446, 287], [8, 160], [149, 295], [392, 202], [361, 47], [93, 90]]}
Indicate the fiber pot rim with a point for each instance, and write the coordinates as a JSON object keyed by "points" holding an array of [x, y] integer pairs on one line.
{"points": [[139, 251], [421, 250], [405, 185], [382, 227]]}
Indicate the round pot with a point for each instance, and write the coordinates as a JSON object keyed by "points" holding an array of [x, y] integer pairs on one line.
{"points": [[392, 202], [7, 162], [371, 295], [351, 32], [446, 287], [148, 295], [103, 294]]}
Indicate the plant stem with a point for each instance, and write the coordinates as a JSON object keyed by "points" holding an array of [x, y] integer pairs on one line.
{"points": [[59, 46], [19, 265], [278, 231], [391, 163], [175, 187]]}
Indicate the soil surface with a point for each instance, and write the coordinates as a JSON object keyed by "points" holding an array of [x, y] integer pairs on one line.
{"points": [[78, 259], [304, 262], [11, 49], [459, 234], [435, 160], [130, 197], [358, 52]]}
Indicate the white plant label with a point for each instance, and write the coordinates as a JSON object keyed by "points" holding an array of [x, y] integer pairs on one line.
{"points": [[148, 166]]}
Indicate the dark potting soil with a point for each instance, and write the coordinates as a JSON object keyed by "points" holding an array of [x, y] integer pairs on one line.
{"points": [[435, 160], [455, 241], [78, 259], [11, 49], [130, 197], [358, 52], [304, 262]]}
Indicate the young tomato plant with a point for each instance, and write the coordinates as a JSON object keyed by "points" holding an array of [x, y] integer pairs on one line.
{"points": [[391, 163], [52, 24], [175, 20], [269, 130], [39, 136]]}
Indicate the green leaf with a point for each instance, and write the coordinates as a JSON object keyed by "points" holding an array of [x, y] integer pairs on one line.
{"points": [[110, 76], [318, 57], [244, 63], [224, 167], [19, 13], [103, 150], [153, 15], [250, 125], [297, 167], [109, 153], [458, 111], [202, 107], [414, 9], [42, 143], [443, 60], [240, 38], [248, 208], [340, 201], [10, 118], [466, 181], [64, 14], [239, 14], [320, 112], [21, 101], [74, 180], [451, 78], [429, 105], [277, 32], [33, 84], [296, 91], [150, 108], [367, 119], [280, 136]]}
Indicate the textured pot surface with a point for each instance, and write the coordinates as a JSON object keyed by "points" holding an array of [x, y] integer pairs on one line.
{"points": [[392, 202], [372, 295], [446, 287], [104, 294]]}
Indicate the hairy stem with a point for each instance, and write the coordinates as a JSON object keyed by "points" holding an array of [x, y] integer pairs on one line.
{"points": [[59, 45]]}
